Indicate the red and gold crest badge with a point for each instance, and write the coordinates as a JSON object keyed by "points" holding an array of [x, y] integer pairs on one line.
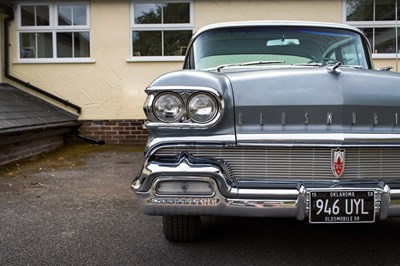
{"points": [[338, 161]]}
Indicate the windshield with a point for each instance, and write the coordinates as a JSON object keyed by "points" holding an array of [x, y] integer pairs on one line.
{"points": [[281, 45]]}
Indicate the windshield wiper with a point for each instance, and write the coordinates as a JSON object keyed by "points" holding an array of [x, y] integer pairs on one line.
{"points": [[320, 62], [250, 64], [331, 63]]}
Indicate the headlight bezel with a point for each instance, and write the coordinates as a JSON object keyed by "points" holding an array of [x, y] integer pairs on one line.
{"points": [[185, 93], [191, 116], [182, 107]]}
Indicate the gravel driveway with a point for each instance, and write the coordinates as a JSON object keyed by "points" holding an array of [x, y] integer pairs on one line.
{"points": [[75, 207]]}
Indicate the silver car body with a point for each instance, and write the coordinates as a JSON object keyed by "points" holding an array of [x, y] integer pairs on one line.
{"points": [[282, 133]]}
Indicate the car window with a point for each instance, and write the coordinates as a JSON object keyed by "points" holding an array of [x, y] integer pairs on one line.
{"points": [[288, 45], [351, 55]]}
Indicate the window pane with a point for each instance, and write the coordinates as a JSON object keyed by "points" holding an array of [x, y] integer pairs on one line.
{"points": [[177, 13], [359, 10], [81, 44], [27, 15], [147, 13], [176, 42], [385, 41], [79, 17], [350, 55], [27, 45], [146, 43], [64, 15], [64, 44], [385, 10], [42, 16], [44, 45]]}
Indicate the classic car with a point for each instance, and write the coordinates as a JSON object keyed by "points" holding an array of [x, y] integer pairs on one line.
{"points": [[272, 119]]}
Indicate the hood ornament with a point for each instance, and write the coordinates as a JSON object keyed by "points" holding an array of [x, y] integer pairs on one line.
{"points": [[338, 161], [334, 68]]}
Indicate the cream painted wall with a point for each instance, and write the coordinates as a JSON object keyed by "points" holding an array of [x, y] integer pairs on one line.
{"points": [[378, 63], [112, 88], [208, 11]]}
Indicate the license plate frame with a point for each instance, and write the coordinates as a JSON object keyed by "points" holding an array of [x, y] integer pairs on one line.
{"points": [[341, 206]]}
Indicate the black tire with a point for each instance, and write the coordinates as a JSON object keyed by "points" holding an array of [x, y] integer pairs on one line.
{"points": [[181, 228]]}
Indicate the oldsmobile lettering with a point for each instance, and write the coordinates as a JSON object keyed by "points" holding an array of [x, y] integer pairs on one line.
{"points": [[354, 118], [329, 119], [272, 119], [184, 201]]}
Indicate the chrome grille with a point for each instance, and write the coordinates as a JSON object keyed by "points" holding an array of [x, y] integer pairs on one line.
{"points": [[298, 163]]}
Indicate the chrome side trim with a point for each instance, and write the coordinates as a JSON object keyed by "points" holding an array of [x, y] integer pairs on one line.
{"points": [[181, 169], [269, 193], [222, 140], [318, 139], [182, 88]]}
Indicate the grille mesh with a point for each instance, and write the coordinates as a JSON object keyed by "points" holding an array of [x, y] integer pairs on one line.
{"points": [[299, 163]]}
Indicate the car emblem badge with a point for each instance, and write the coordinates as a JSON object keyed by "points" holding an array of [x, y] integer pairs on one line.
{"points": [[338, 161]]}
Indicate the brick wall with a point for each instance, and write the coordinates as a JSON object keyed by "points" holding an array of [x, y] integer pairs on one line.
{"points": [[115, 131], [24, 149]]}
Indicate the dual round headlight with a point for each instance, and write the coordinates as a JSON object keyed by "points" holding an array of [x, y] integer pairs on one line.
{"points": [[168, 107], [200, 107]]}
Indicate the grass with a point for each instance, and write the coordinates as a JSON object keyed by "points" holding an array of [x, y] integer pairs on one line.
{"points": [[68, 156]]}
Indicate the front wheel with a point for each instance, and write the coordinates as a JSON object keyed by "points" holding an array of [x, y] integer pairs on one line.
{"points": [[181, 228]]}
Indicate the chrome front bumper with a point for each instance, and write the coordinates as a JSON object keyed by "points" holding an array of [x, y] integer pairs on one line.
{"points": [[253, 199]]}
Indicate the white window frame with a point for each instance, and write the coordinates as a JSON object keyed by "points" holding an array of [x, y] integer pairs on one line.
{"points": [[375, 24], [158, 27], [53, 28]]}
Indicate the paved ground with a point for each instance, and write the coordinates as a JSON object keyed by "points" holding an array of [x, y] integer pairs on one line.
{"points": [[75, 207]]}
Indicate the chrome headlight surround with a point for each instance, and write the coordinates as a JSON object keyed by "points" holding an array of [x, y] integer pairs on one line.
{"points": [[168, 107], [186, 93], [202, 107]]}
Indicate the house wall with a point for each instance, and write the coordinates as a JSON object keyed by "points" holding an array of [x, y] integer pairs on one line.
{"points": [[111, 87], [27, 148]]}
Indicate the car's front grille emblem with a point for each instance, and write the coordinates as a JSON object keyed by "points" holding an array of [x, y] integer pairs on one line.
{"points": [[338, 161]]}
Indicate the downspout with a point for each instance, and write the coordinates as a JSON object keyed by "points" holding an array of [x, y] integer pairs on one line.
{"points": [[19, 81]]}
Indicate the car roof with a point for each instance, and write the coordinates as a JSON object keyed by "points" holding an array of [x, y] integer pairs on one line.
{"points": [[275, 23]]}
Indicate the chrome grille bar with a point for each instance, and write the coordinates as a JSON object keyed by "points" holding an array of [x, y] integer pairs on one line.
{"points": [[298, 163]]}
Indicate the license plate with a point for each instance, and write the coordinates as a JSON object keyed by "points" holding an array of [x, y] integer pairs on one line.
{"points": [[342, 206]]}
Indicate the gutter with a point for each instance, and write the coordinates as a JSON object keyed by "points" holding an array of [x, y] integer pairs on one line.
{"points": [[43, 127], [19, 81]]}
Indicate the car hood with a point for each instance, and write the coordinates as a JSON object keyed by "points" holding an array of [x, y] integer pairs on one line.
{"points": [[314, 100]]}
